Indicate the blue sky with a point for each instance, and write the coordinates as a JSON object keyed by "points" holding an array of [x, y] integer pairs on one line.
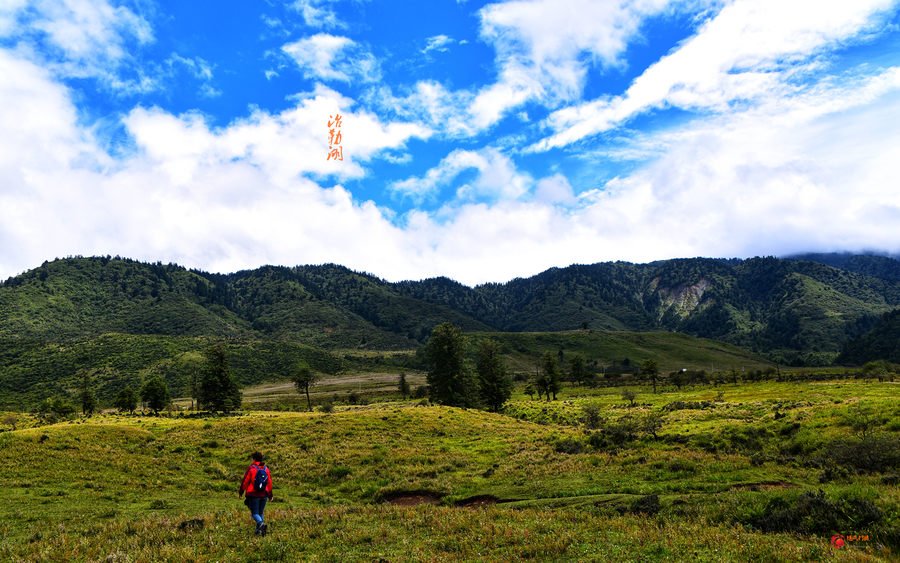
{"points": [[481, 140]]}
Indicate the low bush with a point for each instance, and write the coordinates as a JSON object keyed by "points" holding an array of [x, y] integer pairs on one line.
{"points": [[338, 472], [569, 447], [812, 513], [873, 453]]}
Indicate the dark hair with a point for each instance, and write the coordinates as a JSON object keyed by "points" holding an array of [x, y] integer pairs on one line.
{"points": [[256, 456]]}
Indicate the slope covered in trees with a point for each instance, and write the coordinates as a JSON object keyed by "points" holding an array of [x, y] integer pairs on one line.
{"points": [[881, 343], [793, 311]]}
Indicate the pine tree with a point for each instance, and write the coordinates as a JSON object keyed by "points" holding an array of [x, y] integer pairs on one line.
{"points": [[552, 375], [577, 373], [403, 385], [450, 381], [496, 385], [86, 395], [218, 389]]}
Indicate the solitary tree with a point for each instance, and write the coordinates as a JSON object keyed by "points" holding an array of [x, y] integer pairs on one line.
{"points": [[450, 381], [86, 393], [155, 393], [403, 385], [651, 369], [303, 379], [629, 395], [577, 372], [496, 385], [218, 389], [126, 400], [552, 375]]}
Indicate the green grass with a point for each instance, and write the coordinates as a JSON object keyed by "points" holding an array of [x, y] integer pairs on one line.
{"points": [[672, 350], [118, 488]]}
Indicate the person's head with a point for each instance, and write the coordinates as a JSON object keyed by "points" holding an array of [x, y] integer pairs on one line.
{"points": [[256, 456]]}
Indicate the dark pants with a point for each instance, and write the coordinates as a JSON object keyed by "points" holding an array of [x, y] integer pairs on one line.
{"points": [[257, 505]]}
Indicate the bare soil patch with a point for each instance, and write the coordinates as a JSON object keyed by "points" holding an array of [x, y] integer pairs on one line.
{"points": [[411, 499]]}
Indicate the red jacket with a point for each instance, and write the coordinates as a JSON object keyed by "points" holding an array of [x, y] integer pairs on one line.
{"points": [[250, 478]]}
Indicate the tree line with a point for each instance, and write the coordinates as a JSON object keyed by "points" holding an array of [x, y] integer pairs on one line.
{"points": [[213, 387]]}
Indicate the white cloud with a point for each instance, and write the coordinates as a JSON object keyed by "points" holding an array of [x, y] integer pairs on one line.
{"points": [[318, 13], [497, 178], [751, 50], [437, 43], [329, 57], [800, 165], [429, 103], [219, 199], [555, 189], [541, 45], [196, 66], [77, 38]]}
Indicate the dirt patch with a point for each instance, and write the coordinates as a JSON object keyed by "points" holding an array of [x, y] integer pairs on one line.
{"points": [[411, 499], [478, 501], [764, 486]]}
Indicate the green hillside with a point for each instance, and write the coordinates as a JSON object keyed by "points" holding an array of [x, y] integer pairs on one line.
{"points": [[83, 297], [881, 343], [749, 473], [612, 351], [31, 371], [791, 311]]}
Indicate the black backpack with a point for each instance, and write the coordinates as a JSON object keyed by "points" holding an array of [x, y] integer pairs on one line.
{"points": [[261, 479]]}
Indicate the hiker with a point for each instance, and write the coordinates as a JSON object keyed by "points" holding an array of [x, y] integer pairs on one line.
{"points": [[257, 483]]}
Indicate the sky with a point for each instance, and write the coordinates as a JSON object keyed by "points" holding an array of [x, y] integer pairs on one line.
{"points": [[481, 141]]}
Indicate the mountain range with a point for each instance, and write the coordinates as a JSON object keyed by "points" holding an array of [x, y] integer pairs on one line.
{"points": [[795, 310]]}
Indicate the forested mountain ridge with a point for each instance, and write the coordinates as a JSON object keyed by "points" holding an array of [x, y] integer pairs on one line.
{"points": [[791, 310]]}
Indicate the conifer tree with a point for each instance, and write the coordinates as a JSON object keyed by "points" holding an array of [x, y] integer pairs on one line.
{"points": [[552, 375], [403, 385], [450, 381], [496, 385], [86, 395], [218, 389]]}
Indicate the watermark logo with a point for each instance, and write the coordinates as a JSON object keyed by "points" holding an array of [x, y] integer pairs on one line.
{"points": [[849, 541], [335, 150]]}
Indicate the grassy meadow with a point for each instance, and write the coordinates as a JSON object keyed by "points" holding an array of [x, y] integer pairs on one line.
{"points": [[746, 472]]}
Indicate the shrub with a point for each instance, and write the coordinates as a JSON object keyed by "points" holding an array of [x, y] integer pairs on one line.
{"points": [[873, 453], [623, 430], [569, 447], [812, 513], [338, 472], [597, 441], [646, 505], [326, 407], [592, 417], [679, 466]]}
